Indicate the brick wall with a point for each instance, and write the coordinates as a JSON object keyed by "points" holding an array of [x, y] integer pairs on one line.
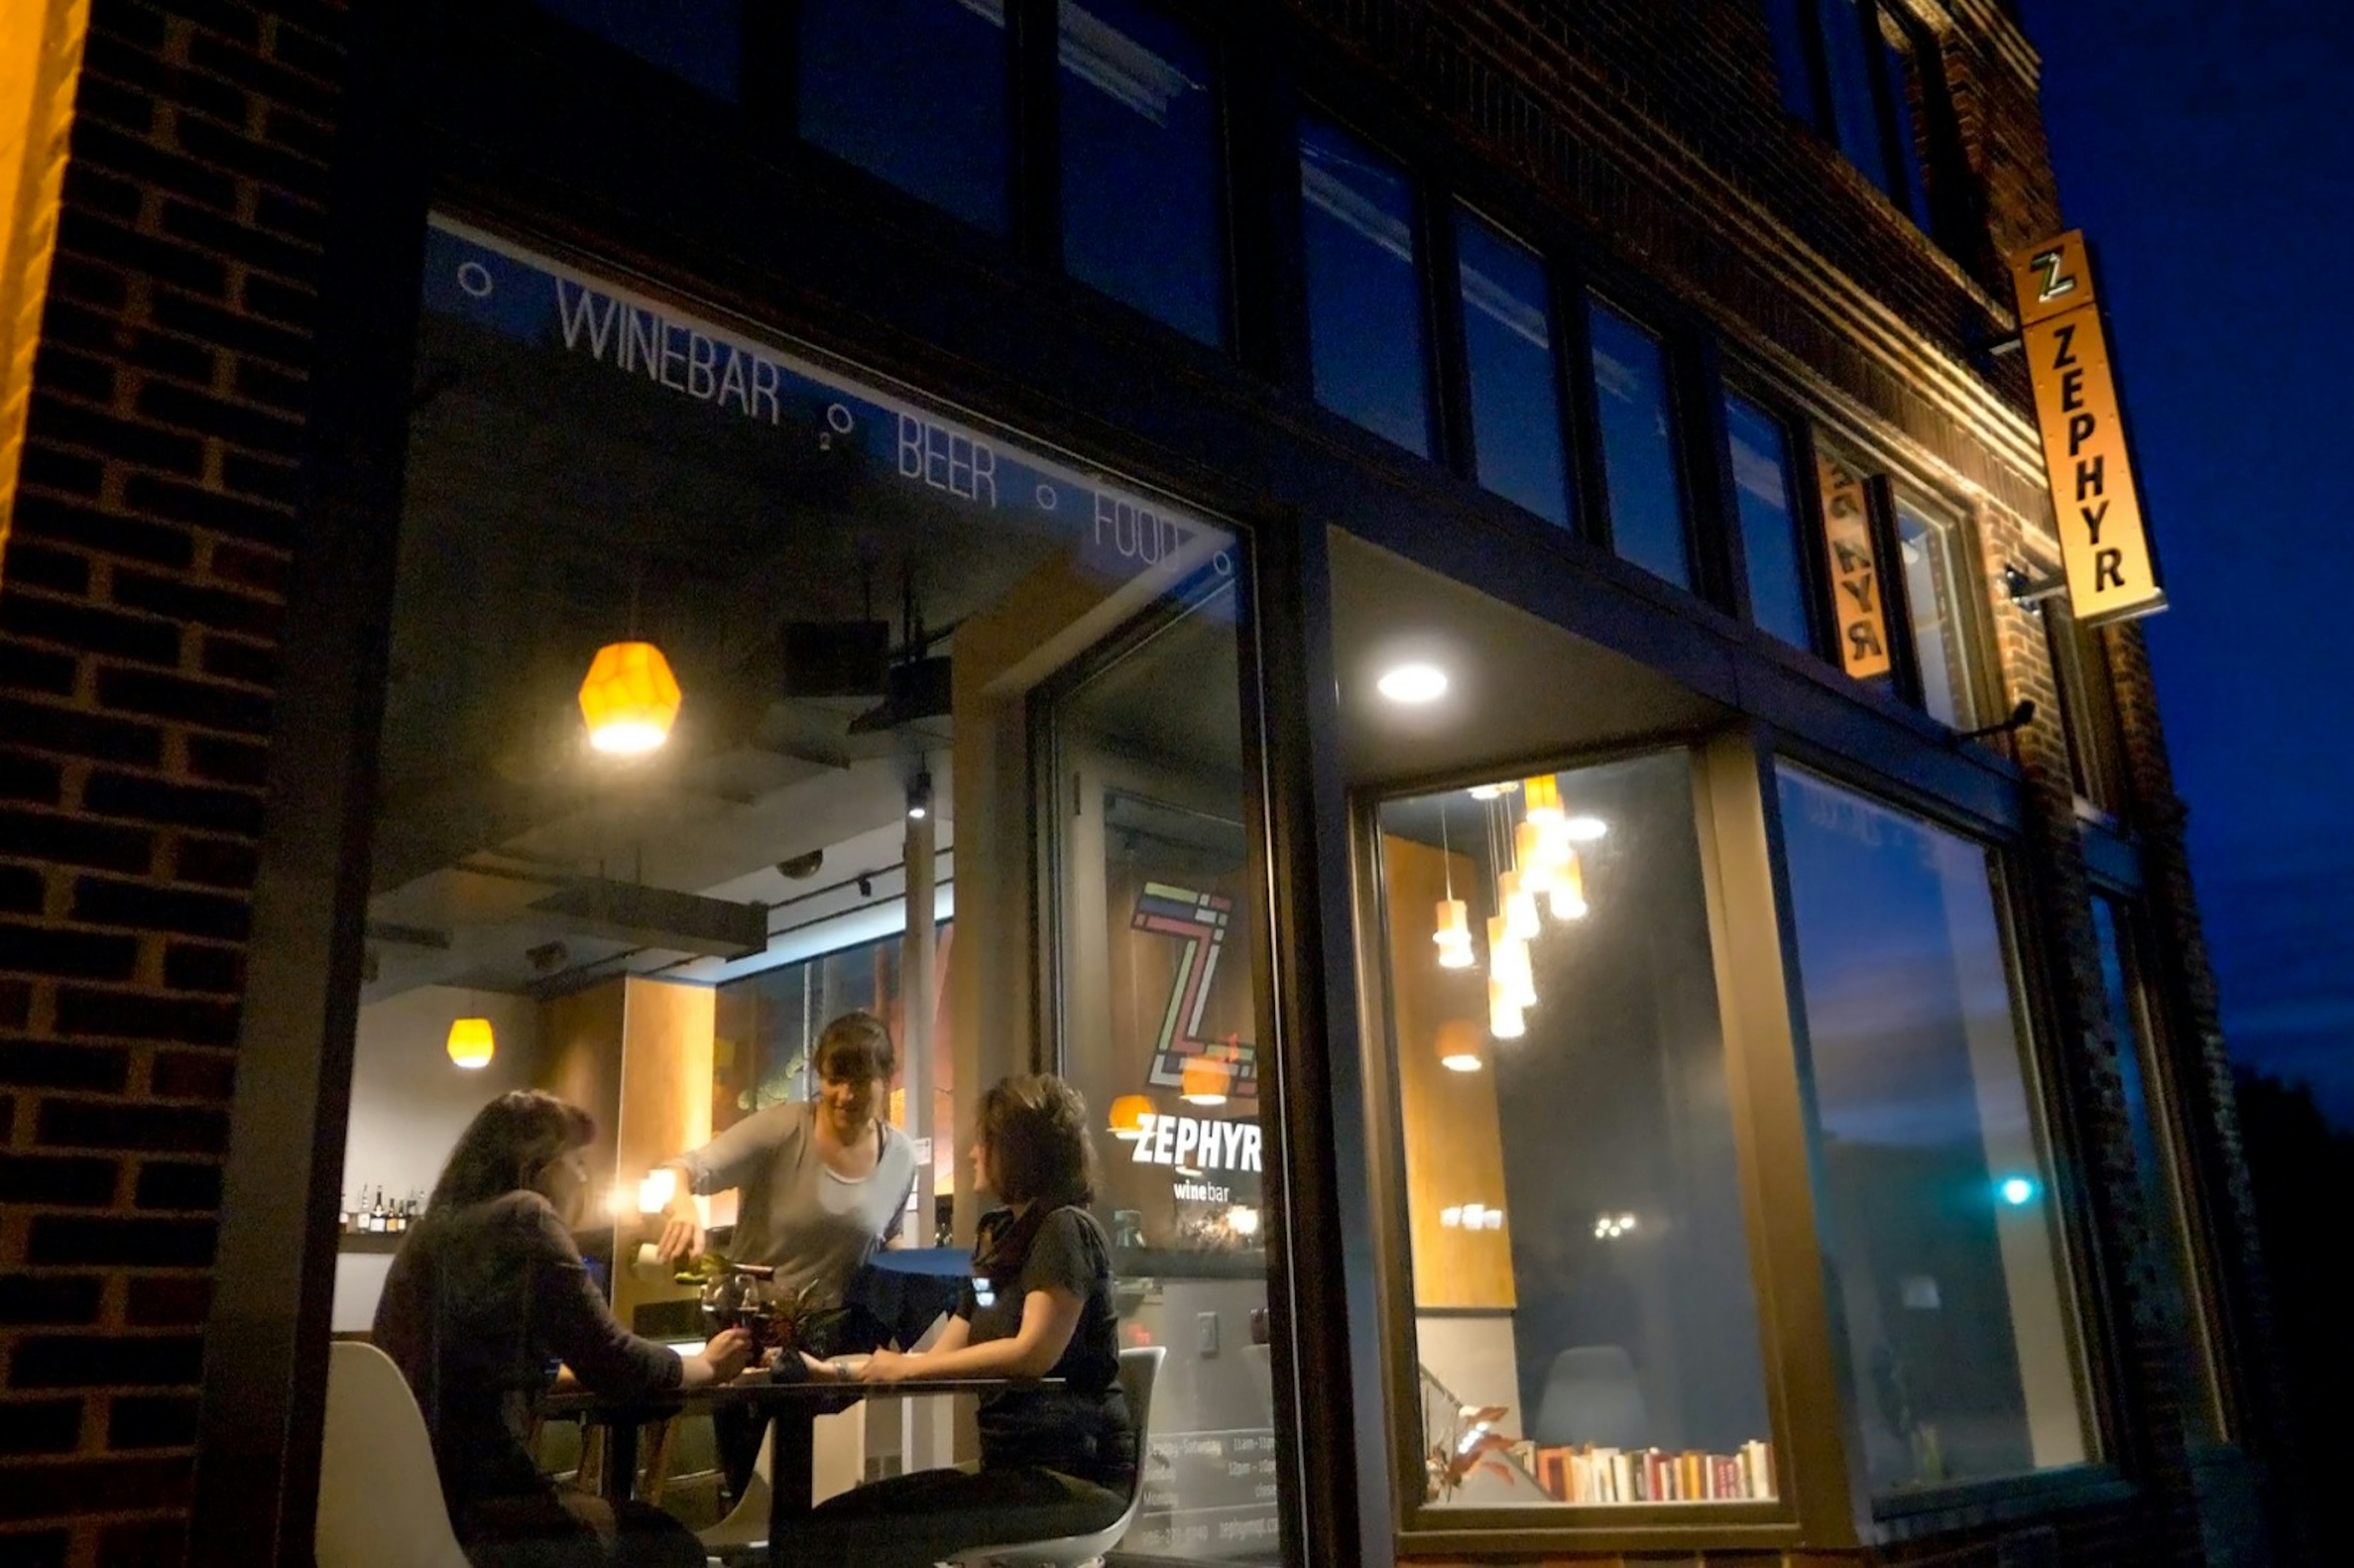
{"points": [[139, 605]]}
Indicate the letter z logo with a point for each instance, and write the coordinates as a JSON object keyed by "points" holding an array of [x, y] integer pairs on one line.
{"points": [[2056, 283]]}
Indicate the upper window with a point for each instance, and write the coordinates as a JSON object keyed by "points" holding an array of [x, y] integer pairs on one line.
{"points": [[1365, 292], [1771, 551], [1139, 142], [914, 91], [1642, 470], [1508, 343], [1940, 1239], [2088, 711], [1852, 69], [1932, 593], [699, 41]]}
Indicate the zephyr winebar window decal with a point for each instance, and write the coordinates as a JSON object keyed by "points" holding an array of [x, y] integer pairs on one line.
{"points": [[2103, 538]]}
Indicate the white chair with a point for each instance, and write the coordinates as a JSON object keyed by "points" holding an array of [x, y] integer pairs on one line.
{"points": [[379, 1496], [1593, 1395], [1138, 1370], [839, 1451]]}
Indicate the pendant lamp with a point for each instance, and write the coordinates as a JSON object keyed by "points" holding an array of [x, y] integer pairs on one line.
{"points": [[472, 1043], [1520, 906], [629, 698], [1569, 889], [1203, 1081], [1453, 931], [1544, 793], [1530, 854], [1128, 1114], [1508, 960], [1504, 1020], [1459, 1046]]}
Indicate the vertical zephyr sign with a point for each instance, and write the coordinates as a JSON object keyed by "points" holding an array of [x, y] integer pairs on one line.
{"points": [[2105, 542]]}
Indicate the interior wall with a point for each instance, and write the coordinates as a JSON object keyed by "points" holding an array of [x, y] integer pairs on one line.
{"points": [[409, 1103]]}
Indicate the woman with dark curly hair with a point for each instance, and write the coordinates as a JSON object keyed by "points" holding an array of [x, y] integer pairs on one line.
{"points": [[487, 1295], [1053, 1461]]}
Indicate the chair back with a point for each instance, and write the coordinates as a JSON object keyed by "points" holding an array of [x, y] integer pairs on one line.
{"points": [[380, 1502], [1139, 1369], [1592, 1395]]}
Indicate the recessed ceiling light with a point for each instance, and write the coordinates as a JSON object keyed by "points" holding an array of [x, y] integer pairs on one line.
{"points": [[1413, 684], [1586, 828]]}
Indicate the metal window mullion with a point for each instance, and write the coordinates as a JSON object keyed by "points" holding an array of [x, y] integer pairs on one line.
{"points": [[1454, 444]]}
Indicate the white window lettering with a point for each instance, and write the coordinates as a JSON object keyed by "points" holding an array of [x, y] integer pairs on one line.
{"points": [[702, 355], [984, 474], [911, 446], [764, 388], [1144, 1126], [1250, 1147], [1188, 1138], [1163, 1132], [579, 314], [671, 357], [731, 381]]}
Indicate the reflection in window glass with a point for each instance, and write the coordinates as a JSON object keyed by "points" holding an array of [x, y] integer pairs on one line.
{"points": [[1936, 1206], [1903, 83], [1937, 640], [1769, 521], [1850, 53], [1639, 465], [1139, 141], [1509, 347], [1364, 295], [700, 41], [2149, 1117], [913, 91], [1581, 1268]]}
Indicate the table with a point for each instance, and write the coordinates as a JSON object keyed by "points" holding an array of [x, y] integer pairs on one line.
{"points": [[793, 1409]]}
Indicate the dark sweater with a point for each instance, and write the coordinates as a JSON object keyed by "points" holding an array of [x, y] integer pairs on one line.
{"points": [[479, 1306]]}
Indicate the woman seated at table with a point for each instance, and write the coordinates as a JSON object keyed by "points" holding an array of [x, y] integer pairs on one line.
{"points": [[820, 1184], [486, 1296], [1055, 1461]]}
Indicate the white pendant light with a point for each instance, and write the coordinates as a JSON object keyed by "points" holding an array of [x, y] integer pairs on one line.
{"points": [[1569, 889], [1504, 1020]]}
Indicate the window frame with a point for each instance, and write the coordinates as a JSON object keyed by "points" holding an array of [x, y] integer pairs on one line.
{"points": [[2079, 1260], [1793, 1341], [1806, 509]]}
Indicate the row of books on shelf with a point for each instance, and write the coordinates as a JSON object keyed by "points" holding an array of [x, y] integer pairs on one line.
{"points": [[1588, 1474]]}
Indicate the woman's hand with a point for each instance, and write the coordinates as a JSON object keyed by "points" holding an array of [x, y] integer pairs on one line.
{"points": [[889, 1366], [728, 1352], [682, 1235]]}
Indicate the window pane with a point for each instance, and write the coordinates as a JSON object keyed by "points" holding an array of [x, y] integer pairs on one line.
{"points": [[1938, 641], [1938, 1232], [1140, 140], [1639, 464], [1898, 65], [1364, 295], [1580, 1261], [1159, 1028], [700, 41], [660, 936], [1793, 72], [913, 91], [1508, 343], [2149, 1116], [1849, 52], [1770, 522]]}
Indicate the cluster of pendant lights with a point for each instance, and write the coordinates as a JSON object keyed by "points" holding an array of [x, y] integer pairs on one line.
{"points": [[1539, 851]]}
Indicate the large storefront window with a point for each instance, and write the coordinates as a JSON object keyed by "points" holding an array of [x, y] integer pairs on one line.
{"points": [[714, 677], [1585, 1324], [1939, 1232]]}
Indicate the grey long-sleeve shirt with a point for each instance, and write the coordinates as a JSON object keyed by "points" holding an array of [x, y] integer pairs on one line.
{"points": [[814, 1226]]}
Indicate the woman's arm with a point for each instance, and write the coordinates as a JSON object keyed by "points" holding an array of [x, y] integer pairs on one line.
{"points": [[1049, 1318]]}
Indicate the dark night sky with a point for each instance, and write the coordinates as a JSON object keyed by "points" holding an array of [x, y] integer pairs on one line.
{"points": [[2206, 148]]}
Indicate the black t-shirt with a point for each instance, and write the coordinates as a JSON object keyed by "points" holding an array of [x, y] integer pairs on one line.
{"points": [[1082, 1428]]}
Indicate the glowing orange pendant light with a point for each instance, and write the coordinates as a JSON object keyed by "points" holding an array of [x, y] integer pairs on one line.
{"points": [[629, 698]]}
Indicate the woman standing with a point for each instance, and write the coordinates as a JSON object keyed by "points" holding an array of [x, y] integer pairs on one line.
{"points": [[820, 1184], [1053, 1461], [486, 1296]]}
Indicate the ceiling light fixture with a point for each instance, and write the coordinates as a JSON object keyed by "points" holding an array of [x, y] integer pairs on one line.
{"points": [[1128, 1114], [1459, 1046], [1585, 830], [1413, 684], [1453, 929], [919, 797], [472, 1043], [629, 698]]}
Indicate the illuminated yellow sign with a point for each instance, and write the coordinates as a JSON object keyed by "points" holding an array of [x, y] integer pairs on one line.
{"points": [[2103, 538], [1858, 604]]}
